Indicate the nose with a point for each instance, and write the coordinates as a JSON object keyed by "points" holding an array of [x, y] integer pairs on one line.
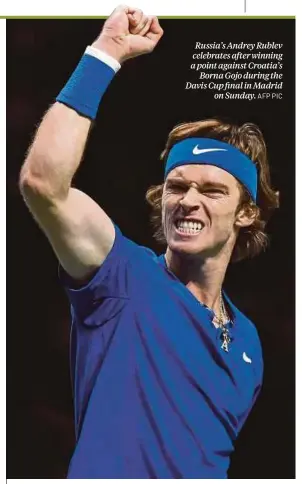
{"points": [[190, 200]]}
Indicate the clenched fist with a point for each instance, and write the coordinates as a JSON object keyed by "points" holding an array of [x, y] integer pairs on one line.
{"points": [[128, 33]]}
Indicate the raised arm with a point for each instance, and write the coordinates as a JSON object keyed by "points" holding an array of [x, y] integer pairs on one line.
{"points": [[79, 231]]}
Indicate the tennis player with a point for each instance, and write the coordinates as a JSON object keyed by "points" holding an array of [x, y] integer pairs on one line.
{"points": [[165, 369]]}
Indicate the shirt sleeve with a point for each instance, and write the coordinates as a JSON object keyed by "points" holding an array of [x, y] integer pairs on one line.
{"points": [[108, 288]]}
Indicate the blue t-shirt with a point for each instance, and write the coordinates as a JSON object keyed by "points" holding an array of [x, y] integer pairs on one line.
{"points": [[155, 396]]}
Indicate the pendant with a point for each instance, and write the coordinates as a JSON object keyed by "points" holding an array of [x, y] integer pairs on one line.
{"points": [[226, 340]]}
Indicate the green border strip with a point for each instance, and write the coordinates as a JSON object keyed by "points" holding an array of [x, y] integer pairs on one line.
{"points": [[78, 17]]}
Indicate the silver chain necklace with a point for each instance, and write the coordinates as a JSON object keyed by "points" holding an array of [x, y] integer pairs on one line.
{"points": [[222, 321]]}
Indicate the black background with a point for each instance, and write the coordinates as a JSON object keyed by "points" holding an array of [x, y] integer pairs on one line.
{"points": [[145, 100]]}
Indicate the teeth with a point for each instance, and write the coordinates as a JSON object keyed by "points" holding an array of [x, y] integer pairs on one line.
{"points": [[189, 226]]}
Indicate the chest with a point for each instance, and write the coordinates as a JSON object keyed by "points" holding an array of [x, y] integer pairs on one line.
{"points": [[176, 332]]}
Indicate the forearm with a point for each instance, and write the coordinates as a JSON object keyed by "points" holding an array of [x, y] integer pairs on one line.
{"points": [[60, 140], [56, 152]]}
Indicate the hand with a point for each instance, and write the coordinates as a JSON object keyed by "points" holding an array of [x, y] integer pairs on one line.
{"points": [[128, 33]]}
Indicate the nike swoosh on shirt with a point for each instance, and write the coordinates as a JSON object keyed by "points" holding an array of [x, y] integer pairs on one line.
{"points": [[246, 358], [197, 151]]}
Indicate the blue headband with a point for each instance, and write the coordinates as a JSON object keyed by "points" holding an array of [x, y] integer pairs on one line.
{"points": [[206, 151]]}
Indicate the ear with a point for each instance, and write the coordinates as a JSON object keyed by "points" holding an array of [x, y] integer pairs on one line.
{"points": [[247, 215]]}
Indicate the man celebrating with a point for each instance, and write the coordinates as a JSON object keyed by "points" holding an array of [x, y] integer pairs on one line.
{"points": [[165, 369]]}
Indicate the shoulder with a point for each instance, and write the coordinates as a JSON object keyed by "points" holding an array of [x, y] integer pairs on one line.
{"points": [[114, 278], [122, 244]]}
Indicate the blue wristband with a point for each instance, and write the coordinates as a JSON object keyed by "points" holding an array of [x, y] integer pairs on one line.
{"points": [[85, 88]]}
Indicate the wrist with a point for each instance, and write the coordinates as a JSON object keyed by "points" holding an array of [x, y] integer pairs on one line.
{"points": [[103, 57], [86, 86], [112, 46]]}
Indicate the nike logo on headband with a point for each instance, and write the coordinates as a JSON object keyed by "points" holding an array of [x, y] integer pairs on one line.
{"points": [[196, 151]]}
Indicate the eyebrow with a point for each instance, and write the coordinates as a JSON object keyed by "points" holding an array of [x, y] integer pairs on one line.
{"points": [[215, 185], [208, 184]]}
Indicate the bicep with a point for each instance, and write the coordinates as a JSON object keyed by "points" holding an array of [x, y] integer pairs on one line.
{"points": [[80, 232]]}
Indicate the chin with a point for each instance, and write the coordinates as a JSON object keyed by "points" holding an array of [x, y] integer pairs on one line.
{"points": [[186, 248]]}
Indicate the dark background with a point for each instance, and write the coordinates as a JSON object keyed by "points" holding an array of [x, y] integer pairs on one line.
{"points": [[145, 100]]}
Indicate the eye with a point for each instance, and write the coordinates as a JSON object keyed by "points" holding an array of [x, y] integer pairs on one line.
{"points": [[214, 192], [176, 187]]}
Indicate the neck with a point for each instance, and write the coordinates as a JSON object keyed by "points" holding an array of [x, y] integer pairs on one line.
{"points": [[203, 277]]}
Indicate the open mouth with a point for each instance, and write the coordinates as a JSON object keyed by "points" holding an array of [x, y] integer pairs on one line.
{"points": [[188, 226]]}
